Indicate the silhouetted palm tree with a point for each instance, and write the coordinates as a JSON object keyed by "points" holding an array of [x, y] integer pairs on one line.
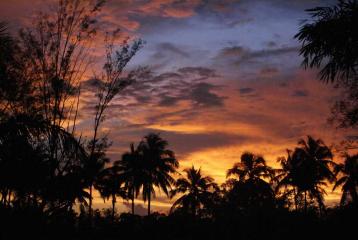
{"points": [[308, 169], [251, 191], [159, 163], [131, 171], [94, 166], [349, 179], [26, 166], [285, 180], [251, 167], [109, 185], [196, 189]]}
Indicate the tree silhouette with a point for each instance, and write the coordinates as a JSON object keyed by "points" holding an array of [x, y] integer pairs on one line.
{"points": [[28, 172], [109, 185], [113, 82], [286, 180], [15, 88], [94, 165], [251, 167], [55, 50], [159, 163], [308, 169], [196, 191], [349, 179], [251, 191], [131, 171], [329, 41]]}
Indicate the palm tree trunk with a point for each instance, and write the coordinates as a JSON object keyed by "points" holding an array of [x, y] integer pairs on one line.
{"points": [[149, 203], [90, 204], [113, 206], [9, 198], [3, 197], [133, 201], [305, 202], [295, 196]]}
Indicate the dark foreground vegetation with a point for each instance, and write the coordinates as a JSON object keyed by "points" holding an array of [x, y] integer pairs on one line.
{"points": [[49, 171], [338, 223]]}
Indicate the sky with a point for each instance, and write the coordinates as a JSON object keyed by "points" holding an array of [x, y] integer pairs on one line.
{"points": [[226, 77]]}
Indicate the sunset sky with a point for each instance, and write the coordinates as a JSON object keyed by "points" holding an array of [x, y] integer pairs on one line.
{"points": [[226, 78]]}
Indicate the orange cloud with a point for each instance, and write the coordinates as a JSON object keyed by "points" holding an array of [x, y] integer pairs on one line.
{"points": [[170, 8]]}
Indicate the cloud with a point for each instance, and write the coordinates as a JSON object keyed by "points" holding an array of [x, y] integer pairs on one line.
{"points": [[247, 90], [271, 52], [188, 143], [269, 71], [202, 95], [234, 51], [171, 49], [166, 54], [200, 71], [240, 55], [169, 8], [271, 44], [92, 84], [139, 209], [300, 93], [191, 87], [168, 101]]}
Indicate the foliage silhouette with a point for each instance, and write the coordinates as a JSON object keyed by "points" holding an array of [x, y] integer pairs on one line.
{"points": [[250, 191], [329, 43], [110, 186], [131, 171], [307, 170], [349, 179], [196, 191], [251, 167], [158, 163]]}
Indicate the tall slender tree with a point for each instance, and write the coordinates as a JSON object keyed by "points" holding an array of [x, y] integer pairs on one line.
{"points": [[131, 171], [109, 185], [286, 184], [112, 82], [55, 52], [159, 163]]}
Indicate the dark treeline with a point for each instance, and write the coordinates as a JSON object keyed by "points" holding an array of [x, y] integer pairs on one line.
{"points": [[49, 171]]}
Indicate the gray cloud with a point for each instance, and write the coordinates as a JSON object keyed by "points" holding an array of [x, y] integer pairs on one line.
{"points": [[300, 93], [170, 48], [201, 94], [168, 101], [185, 143], [239, 54], [92, 84], [200, 71], [269, 71], [166, 89], [246, 90], [188, 143]]}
